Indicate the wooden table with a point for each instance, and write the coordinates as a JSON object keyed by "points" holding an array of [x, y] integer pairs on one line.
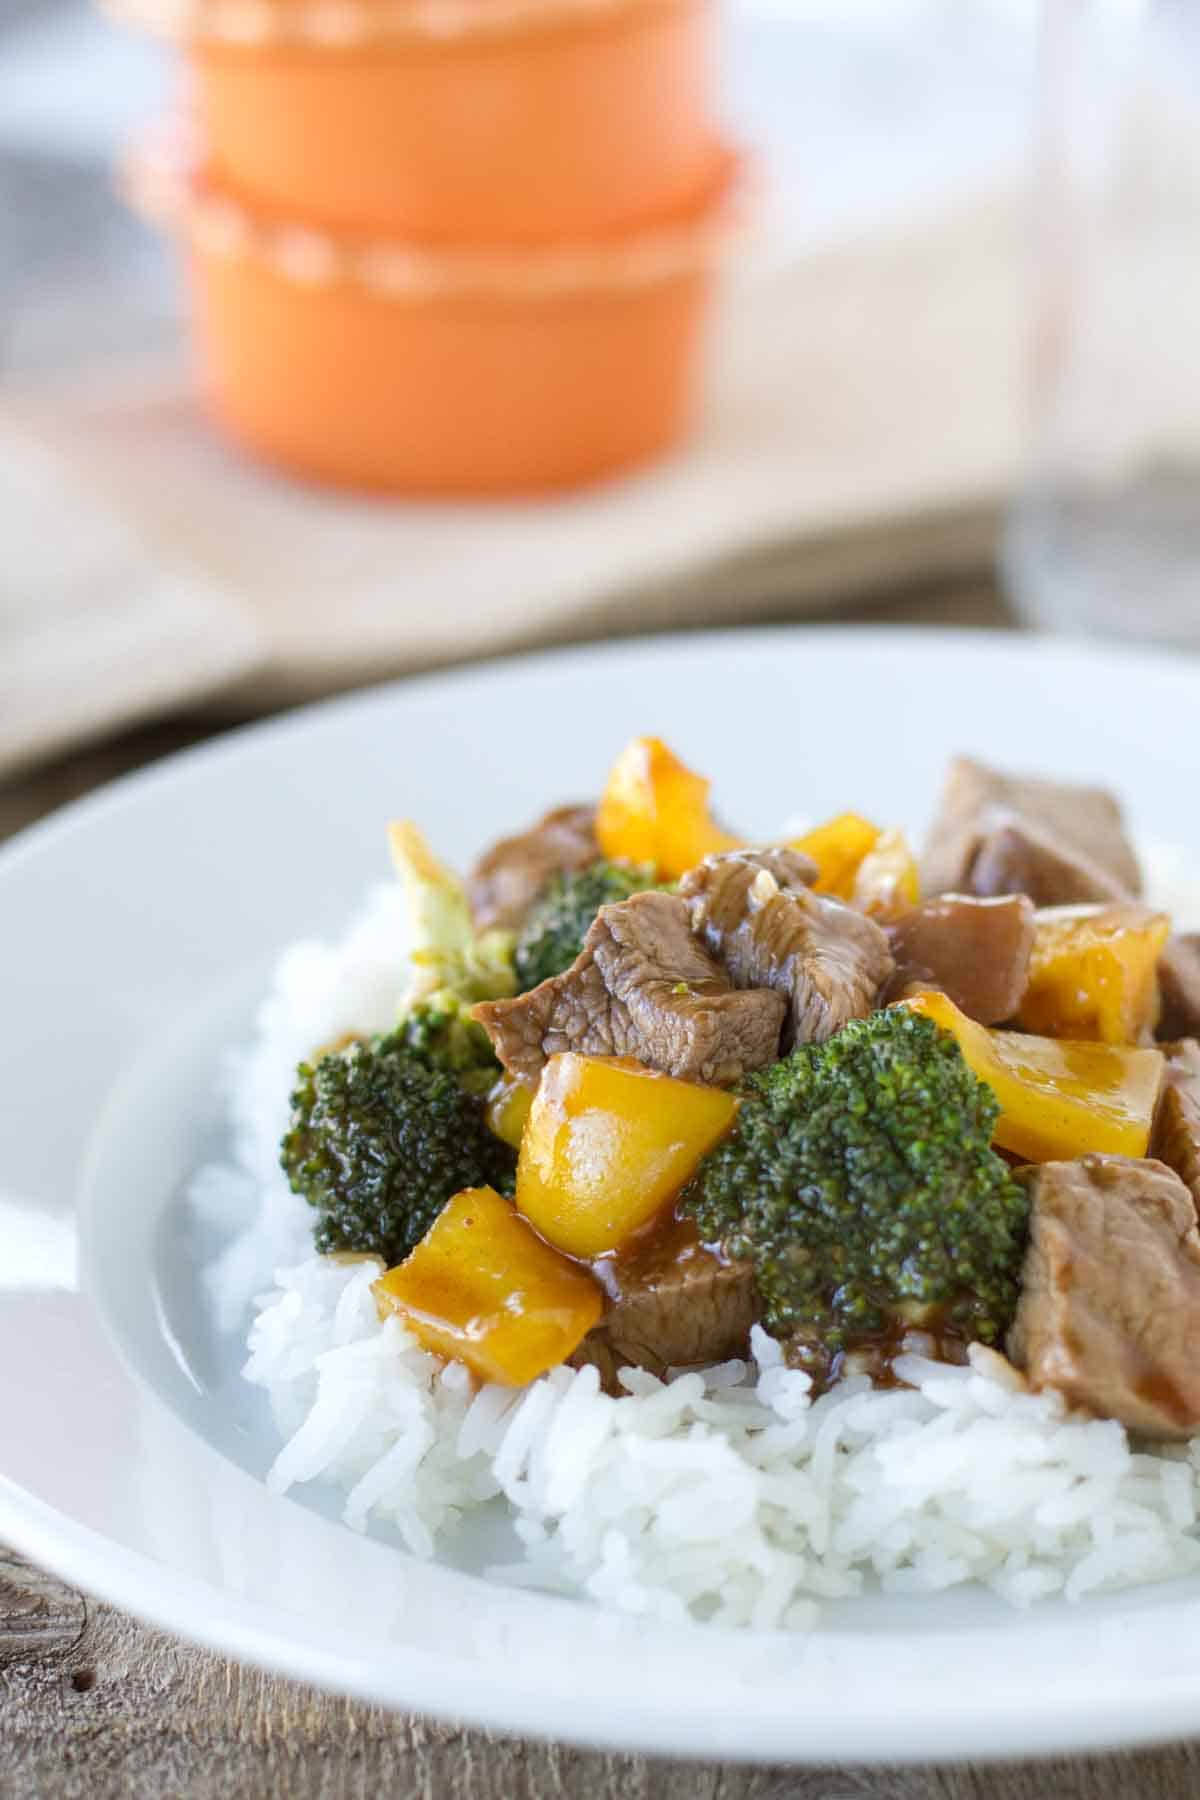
{"points": [[93, 1704]]}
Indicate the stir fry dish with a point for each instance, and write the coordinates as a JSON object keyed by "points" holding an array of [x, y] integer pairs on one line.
{"points": [[652, 1086]]}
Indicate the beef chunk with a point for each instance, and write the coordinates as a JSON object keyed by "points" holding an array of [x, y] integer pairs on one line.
{"points": [[1001, 834], [1110, 1298], [673, 1302], [1177, 1125], [754, 911], [1019, 858], [1179, 986], [642, 986], [1060, 845], [508, 878], [976, 951], [731, 900]]}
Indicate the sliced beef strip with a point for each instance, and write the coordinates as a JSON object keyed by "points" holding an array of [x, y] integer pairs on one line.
{"points": [[508, 878], [1002, 834], [1179, 986], [977, 951], [642, 986], [1176, 1139], [1109, 1313], [754, 910], [673, 1302]]}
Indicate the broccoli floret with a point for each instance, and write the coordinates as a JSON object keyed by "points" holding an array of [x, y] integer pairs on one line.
{"points": [[860, 1182], [442, 1034], [553, 933], [381, 1136]]}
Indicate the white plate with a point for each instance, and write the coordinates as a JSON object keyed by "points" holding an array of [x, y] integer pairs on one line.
{"points": [[135, 931]]}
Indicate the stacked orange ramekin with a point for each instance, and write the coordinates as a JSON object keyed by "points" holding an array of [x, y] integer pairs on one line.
{"points": [[445, 246]]}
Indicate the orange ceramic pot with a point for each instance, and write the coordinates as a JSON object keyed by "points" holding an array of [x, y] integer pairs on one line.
{"points": [[481, 121], [444, 373]]}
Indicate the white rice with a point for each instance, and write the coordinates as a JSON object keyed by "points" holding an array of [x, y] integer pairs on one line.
{"points": [[318, 992], [730, 1494]]}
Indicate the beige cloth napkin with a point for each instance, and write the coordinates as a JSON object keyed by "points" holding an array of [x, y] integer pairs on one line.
{"points": [[861, 428], [100, 622]]}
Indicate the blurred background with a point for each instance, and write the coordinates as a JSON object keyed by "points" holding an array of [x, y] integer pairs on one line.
{"points": [[868, 117], [949, 338]]}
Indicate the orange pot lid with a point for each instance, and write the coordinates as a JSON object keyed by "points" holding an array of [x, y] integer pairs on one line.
{"points": [[163, 183], [347, 24]]}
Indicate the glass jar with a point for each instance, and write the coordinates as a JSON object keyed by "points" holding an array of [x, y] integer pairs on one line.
{"points": [[1104, 538]]}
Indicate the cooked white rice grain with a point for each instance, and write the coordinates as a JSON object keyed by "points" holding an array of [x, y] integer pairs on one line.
{"points": [[739, 1497]]}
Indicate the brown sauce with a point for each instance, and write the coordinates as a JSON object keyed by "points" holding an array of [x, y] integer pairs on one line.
{"points": [[1160, 1392], [650, 1254], [671, 1239], [874, 1353]]}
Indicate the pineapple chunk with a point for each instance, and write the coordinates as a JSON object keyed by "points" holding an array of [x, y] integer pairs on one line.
{"points": [[655, 810], [1094, 973], [507, 1109], [483, 1289], [838, 849], [608, 1144], [1058, 1099], [886, 883]]}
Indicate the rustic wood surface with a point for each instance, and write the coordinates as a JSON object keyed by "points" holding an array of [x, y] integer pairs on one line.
{"points": [[94, 1704]]}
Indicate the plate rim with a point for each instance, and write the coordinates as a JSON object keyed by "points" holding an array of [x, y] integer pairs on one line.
{"points": [[982, 1735], [1153, 660]]}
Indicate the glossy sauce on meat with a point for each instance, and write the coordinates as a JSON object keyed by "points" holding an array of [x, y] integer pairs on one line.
{"points": [[667, 1243], [673, 1302]]}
